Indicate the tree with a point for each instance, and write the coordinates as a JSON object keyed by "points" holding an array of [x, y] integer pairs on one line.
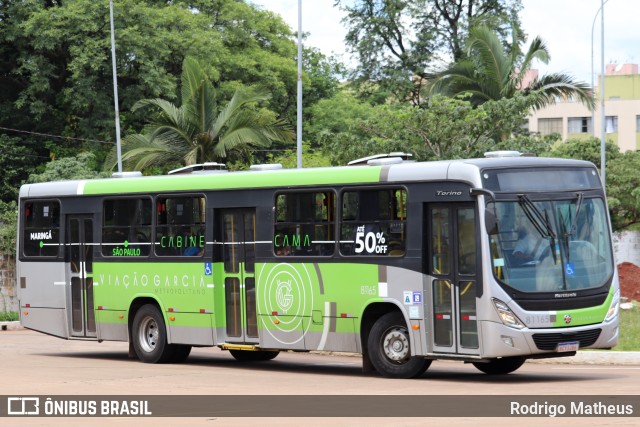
{"points": [[312, 158], [491, 72], [56, 73], [8, 227], [201, 129], [448, 128], [82, 166], [398, 41], [588, 149], [623, 190], [16, 161], [334, 115]]}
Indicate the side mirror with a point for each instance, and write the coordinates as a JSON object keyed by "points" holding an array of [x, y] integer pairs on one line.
{"points": [[490, 221], [490, 217]]}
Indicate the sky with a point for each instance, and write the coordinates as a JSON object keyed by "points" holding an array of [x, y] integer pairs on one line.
{"points": [[565, 26]]}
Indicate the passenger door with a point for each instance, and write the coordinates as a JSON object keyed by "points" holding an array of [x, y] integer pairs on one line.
{"points": [[452, 250], [79, 265], [237, 230]]}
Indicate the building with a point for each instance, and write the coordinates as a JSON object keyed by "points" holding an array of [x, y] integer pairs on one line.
{"points": [[622, 111]]}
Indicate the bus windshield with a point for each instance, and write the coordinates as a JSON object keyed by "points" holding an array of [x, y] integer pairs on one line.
{"points": [[552, 245]]}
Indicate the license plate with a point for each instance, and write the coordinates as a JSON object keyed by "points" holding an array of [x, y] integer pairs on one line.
{"points": [[568, 346]]}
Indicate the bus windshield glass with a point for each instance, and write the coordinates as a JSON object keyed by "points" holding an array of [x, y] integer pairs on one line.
{"points": [[552, 245]]}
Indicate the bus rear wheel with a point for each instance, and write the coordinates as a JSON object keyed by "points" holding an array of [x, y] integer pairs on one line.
{"points": [[149, 335], [390, 351], [502, 366], [253, 356]]}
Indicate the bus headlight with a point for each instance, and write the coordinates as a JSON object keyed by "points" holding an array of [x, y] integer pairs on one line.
{"points": [[614, 307], [506, 315]]}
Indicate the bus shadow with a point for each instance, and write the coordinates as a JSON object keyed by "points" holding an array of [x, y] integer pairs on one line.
{"points": [[282, 364], [343, 367], [95, 355]]}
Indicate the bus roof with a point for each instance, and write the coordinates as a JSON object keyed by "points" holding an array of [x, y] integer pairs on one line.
{"points": [[458, 170]]}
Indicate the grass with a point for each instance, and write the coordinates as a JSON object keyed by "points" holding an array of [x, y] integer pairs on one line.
{"points": [[629, 330], [8, 316]]}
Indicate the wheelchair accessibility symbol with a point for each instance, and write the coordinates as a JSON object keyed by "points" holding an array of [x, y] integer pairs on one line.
{"points": [[208, 269], [569, 269]]}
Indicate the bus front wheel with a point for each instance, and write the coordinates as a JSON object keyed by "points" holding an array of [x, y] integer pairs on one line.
{"points": [[390, 351], [502, 366], [149, 335]]}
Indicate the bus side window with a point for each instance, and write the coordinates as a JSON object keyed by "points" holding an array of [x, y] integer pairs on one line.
{"points": [[126, 227], [304, 224], [373, 222], [180, 226]]}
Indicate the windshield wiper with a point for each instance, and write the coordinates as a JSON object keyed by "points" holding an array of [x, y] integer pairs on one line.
{"points": [[540, 221], [574, 222], [568, 232]]}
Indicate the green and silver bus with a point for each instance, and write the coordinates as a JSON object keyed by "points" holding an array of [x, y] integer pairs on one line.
{"points": [[488, 261]]}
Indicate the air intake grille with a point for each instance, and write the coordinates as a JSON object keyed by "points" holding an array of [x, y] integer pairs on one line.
{"points": [[551, 341]]}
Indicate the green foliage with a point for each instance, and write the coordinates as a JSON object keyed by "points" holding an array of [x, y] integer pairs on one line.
{"points": [[82, 166], [310, 158], [448, 128], [491, 72], [9, 316], [588, 149], [396, 39], [201, 129], [8, 227], [57, 76], [529, 144], [16, 162], [629, 330], [623, 189], [335, 115]]}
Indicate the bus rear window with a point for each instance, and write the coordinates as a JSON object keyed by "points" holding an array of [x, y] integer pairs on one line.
{"points": [[41, 228]]}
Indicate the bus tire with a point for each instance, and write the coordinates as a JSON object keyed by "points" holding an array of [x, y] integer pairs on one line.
{"points": [[253, 356], [149, 336], [390, 349], [502, 366]]}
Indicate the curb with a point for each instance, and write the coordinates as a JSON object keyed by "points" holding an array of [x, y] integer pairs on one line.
{"points": [[10, 326]]}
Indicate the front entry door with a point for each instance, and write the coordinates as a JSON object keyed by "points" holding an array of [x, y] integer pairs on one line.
{"points": [[79, 257], [452, 248], [238, 233]]}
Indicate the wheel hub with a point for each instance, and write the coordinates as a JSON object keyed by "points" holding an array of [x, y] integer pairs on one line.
{"points": [[396, 345], [149, 334]]}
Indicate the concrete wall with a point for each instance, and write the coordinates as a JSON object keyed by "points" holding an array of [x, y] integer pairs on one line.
{"points": [[626, 246], [8, 290]]}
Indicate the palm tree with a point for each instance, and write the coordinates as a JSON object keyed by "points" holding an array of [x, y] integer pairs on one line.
{"points": [[200, 130], [491, 72]]}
